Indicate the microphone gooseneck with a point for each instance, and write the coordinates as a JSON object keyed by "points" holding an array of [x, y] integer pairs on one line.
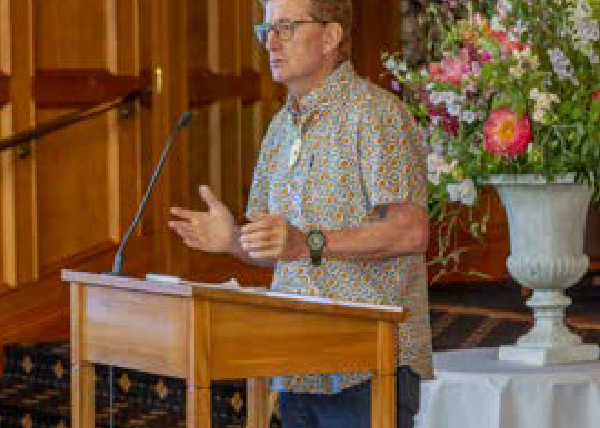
{"points": [[183, 121]]}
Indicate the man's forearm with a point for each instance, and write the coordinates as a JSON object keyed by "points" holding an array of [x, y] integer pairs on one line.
{"points": [[403, 231]]}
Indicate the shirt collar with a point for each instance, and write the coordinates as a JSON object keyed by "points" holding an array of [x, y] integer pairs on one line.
{"points": [[319, 98]]}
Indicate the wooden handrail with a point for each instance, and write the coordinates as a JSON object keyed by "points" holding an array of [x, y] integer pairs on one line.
{"points": [[68, 119]]}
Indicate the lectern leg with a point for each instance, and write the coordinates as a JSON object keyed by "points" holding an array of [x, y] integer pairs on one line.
{"points": [[83, 409], [259, 411], [383, 401], [198, 407]]}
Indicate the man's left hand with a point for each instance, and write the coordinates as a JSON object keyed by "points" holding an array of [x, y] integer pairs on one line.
{"points": [[271, 236]]}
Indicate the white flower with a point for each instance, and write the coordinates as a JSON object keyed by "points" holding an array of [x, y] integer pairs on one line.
{"points": [[449, 97], [468, 116], [544, 101], [436, 98], [520, 27], [454, 109], [463, 192], [390, 64], [588, 30], [534, 93], [496, 25], [436, 166], [539, 115], [516, 71]]}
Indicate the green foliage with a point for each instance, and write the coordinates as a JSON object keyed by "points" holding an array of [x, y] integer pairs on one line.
{"points": [[510, 87]]}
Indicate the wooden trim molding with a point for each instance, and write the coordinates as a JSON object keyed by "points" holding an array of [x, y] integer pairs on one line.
{"points": [[73, 88], [207, 87], [4, 89]]}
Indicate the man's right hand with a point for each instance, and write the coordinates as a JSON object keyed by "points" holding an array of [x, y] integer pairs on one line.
{"points": [[213, 231]]}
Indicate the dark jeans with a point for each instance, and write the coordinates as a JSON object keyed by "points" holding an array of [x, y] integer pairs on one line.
{"points": [[351, 408]]}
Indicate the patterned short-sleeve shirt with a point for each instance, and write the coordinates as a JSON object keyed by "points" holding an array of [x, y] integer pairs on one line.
{"points": [[334, 159]]}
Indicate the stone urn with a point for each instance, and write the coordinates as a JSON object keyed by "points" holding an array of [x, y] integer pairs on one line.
{"points": [[547, 226]]}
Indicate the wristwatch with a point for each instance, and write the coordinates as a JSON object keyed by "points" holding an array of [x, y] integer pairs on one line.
{"points": [[315, 240]]}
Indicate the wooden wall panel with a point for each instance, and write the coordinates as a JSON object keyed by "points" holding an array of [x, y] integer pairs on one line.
{"points": [[4, 89], [88, 174], [72, 164], [375, 29], [19, 221], [72, 189], [5, 63], [71, 33], [5, 116], [169, 54], [69, 200]]}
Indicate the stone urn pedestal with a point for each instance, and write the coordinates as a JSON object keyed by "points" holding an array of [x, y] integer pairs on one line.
{"points": [[547, 226]]}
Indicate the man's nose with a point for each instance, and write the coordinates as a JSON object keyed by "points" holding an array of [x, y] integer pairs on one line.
{"points": [[273, 42]]}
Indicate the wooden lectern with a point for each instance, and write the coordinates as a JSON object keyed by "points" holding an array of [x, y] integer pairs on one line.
{"points": [[202, 332]]}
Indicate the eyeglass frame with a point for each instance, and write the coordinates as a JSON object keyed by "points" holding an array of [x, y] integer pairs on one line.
{"points": [[293, 26]]}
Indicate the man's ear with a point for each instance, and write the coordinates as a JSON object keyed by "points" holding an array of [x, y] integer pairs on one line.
{"points": [[332, 37]]}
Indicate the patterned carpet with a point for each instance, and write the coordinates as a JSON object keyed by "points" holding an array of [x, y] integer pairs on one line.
{"points": [[34, 391]]}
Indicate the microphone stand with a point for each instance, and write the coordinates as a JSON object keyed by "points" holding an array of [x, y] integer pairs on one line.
{"points": [[183, 121]]}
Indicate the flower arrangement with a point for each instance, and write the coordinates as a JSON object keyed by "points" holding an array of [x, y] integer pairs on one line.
{"points": [[507, 88]]}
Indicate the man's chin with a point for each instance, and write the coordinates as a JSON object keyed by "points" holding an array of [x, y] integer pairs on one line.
{"points": [[277, 77]]}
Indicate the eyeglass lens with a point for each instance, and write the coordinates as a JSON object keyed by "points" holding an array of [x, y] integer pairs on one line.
{"points": [[282, 30]]}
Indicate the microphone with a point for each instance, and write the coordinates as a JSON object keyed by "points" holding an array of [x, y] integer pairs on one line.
{"points": [[183, 121]]}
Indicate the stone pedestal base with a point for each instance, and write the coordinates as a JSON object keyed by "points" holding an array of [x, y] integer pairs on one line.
{"points": [[541, 356]]}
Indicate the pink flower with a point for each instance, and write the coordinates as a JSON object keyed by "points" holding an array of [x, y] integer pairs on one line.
{"points": [[500, 36], [435, 70], [506, 134], [453, 69], [485, 56], [507, 45]]}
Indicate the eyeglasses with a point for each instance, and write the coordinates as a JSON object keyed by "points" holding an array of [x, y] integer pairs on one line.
{"points": [[283, 30]]}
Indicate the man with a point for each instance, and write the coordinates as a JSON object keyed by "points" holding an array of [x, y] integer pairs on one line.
{"points": [[338, 201]]}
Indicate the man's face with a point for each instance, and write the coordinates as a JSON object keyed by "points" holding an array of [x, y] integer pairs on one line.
{"points": [[298, 63]]}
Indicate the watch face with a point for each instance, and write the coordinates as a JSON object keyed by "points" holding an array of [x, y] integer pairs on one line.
{"points": [[315, 240]]}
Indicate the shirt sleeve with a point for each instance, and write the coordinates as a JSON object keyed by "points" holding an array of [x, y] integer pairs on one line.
{"points": [[392, 157]]}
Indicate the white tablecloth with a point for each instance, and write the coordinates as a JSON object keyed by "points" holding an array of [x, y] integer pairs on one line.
{"points": [[473, 389]]}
